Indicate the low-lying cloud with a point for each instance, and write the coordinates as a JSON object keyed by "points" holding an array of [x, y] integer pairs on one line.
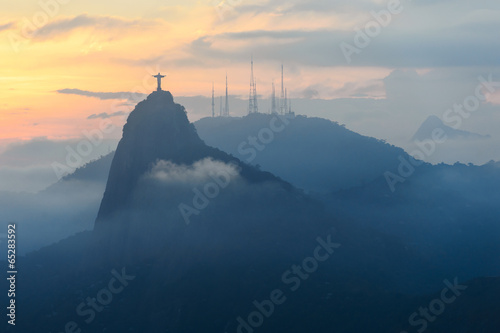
{"points": [[201, 171], [25, 166], [48, 217]]}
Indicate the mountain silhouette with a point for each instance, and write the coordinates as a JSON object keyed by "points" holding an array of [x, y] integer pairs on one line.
{"points": [[433, 123], [158, 130]]}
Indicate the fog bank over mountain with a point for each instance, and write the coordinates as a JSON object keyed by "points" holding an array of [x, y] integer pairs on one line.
{"points": [[27, 166]]}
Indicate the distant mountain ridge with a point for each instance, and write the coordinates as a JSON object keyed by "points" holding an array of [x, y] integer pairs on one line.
{"points": [[425, 131], [314, 154]]}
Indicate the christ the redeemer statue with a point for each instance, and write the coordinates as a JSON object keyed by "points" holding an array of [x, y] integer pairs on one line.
{"points": [[159, 77]]}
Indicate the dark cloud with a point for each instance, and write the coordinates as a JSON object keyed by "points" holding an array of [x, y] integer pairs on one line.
{"points": [[148, 61], [103, 95], [283, 7], [126, 104], [6, 26], [66, 25], [456, 47], [304, 47], [278, 34], [106, 115], [356, 90], [166, 62], [310, 92]]}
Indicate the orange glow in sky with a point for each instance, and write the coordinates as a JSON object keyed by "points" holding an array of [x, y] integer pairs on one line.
{"points": [[115, 46]]}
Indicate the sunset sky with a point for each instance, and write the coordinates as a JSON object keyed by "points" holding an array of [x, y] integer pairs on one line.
{"points": [[432, 50]]}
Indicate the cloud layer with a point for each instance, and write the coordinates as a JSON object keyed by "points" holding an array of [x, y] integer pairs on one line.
{"points": [[201, 171], [66, 25], [102, 95]]}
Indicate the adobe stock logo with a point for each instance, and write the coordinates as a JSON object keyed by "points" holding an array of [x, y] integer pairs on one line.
{"points": [[266, 136], [49, 9], [436, 307], [453, 117], [75, 155], [210, 190], [103, 298], [372, 29], [292, 278], [225, 6]]}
